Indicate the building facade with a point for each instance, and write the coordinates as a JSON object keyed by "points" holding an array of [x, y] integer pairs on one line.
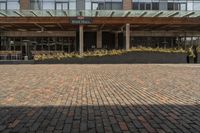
{"points": [[30, 26]]}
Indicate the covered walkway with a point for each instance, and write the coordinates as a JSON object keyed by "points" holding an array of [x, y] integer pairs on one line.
{"points": [[78, 31]]}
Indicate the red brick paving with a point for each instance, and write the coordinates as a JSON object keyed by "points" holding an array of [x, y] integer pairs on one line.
{"points": [[99, 98]]}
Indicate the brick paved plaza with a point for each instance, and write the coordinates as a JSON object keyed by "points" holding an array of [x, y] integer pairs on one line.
{"points": [[100, 98]]}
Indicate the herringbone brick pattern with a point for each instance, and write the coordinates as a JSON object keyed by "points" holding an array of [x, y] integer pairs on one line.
{"points": [[99, 98]]}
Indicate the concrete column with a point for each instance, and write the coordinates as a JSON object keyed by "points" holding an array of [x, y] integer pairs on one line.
{"points": [[81, 39], [99, 39], [127, 36], [116, 41]]}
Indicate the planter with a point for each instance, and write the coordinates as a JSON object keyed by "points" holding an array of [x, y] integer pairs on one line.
{"points": [[127, 58]]}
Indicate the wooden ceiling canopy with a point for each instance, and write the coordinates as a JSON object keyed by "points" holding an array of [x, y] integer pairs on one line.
{"points": [[64, 22]]}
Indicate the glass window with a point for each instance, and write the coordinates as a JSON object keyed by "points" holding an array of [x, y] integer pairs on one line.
{"points": [[53, 4], [95, 6], [36, 4], [65, 6], [196, 5], [108, 6], [48, 4], [142, 6], [170, 6], [62, 6], [164, 4], [136, 6], [88, 5], [58, 6], [13, 5], [72, 5], [189, 5], [103, 4], [176, 6], [155, 6], [3, 5], [183, 7], [116, 6], [148, 6], [9, 4]]}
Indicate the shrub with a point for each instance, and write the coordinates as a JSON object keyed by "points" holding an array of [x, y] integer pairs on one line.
{"points": [[100, 53]]}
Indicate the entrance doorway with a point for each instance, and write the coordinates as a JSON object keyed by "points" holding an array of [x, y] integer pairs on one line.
{"points": [[26, 49], [108, 40], [90, 39]]}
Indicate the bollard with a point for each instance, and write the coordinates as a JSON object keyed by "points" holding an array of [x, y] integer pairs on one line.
{"points": [[25, 58]]}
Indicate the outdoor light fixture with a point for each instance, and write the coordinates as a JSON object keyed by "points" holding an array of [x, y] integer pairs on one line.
{"points": [[21, 29], [42, 30]]}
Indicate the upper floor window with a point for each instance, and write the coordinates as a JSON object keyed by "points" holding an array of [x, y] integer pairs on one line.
{"points": [[62, 5], [53, 4], [9, 4], [103, 4], [166, 4], [3, 5]]}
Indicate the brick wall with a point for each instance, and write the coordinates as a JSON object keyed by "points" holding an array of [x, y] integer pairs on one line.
{"points": [[24, 4], [127, 4]]}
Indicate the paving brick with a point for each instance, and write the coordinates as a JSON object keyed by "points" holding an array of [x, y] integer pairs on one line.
{"points": [[67, 128], [2, 127], [14, 124], [123, 126], [100, 98]]}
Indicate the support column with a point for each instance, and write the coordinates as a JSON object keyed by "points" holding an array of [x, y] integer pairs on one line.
{"points": [[81, 41], [127, 36], [116, 41], [99, 39]]}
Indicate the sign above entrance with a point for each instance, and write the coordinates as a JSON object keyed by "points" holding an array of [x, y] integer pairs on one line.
{"points": [[81, 20]]}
